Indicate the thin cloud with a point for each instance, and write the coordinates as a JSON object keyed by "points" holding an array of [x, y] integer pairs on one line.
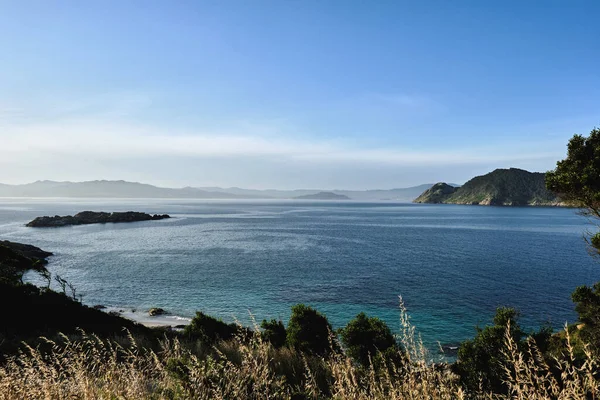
{"points": [[109, 141]]}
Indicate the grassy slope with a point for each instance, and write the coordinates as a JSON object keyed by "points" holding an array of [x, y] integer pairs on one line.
{"points": [[29, 312]]}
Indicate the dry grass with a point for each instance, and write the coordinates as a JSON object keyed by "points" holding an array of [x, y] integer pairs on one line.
{"points": [[90, 368], [530, 375]]}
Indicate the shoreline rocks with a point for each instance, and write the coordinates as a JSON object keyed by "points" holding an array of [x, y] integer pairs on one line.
{"points": [[154, 312], [17, 258], [91, 217], [28, 251]]}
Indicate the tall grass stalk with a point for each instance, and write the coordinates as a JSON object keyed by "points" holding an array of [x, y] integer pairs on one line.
{"points": [[91, 368]]}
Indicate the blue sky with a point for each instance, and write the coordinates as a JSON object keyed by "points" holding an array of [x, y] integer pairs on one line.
{"points": [[290, 94]]}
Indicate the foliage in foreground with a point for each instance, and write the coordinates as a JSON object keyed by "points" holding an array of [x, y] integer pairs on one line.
{"points": [[304, 361], [587, 300], [365, 337], [92, 368], [309, 331], [577, 179]]}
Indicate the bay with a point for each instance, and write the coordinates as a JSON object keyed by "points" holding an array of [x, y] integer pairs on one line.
{"points": [[452, 265]]}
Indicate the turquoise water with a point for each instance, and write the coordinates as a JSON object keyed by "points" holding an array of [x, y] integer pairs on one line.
{"points": [[453, 265]]}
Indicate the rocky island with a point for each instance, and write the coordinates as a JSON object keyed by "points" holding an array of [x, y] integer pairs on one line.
{"points": [[501, 187], [91, 217]]}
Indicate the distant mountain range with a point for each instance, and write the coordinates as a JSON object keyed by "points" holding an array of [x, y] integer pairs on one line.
{"points": [[323, 196], [405, 195], [501, 187], [105, 189], [123, 189]]}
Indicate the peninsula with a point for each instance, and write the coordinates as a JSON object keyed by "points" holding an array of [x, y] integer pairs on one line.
{"points": [[91, 217], [18, 258], [32, 253]]}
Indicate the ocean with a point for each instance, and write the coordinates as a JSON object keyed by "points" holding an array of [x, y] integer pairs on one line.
{"points": [[452, 265]]}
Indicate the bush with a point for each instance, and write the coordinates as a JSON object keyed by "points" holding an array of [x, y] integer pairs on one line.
{"points": [[210, 329], [480, 360], [587, 300], [90, 368], [309, 331], [364, 337], [274, 332]]}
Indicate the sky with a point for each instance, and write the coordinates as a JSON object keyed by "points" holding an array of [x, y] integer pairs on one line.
{"points": [[346, 94]]}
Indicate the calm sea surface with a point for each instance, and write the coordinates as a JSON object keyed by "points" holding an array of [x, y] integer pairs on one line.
{"points": [[453, 265]]}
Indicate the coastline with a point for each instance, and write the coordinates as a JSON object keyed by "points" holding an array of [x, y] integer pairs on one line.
{"points": [[142, 317]]}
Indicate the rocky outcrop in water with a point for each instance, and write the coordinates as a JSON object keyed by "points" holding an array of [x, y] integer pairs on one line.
{"points": [[91, 217], [154, 312]]}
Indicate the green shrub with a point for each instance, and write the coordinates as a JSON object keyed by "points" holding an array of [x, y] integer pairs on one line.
{"points": [[364, 337], [587, 300], [480, 360], [274, 332], [210, 329], [576, 179], [309, 331]]}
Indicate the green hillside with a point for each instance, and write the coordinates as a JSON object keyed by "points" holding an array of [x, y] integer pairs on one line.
{"points": [[501, 187], [436, 194]]}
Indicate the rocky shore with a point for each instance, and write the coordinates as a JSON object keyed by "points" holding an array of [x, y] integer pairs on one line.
{"points": [[26, 250], [91, 217]]}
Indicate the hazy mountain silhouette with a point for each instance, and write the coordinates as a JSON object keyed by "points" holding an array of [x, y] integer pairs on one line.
{"points": [[124, 189], [399, 194], [107, 189]]}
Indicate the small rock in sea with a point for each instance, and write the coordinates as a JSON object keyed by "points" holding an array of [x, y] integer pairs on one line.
{"points": [[133, 310], [99, 307], [450, 349], [153, 312]]}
